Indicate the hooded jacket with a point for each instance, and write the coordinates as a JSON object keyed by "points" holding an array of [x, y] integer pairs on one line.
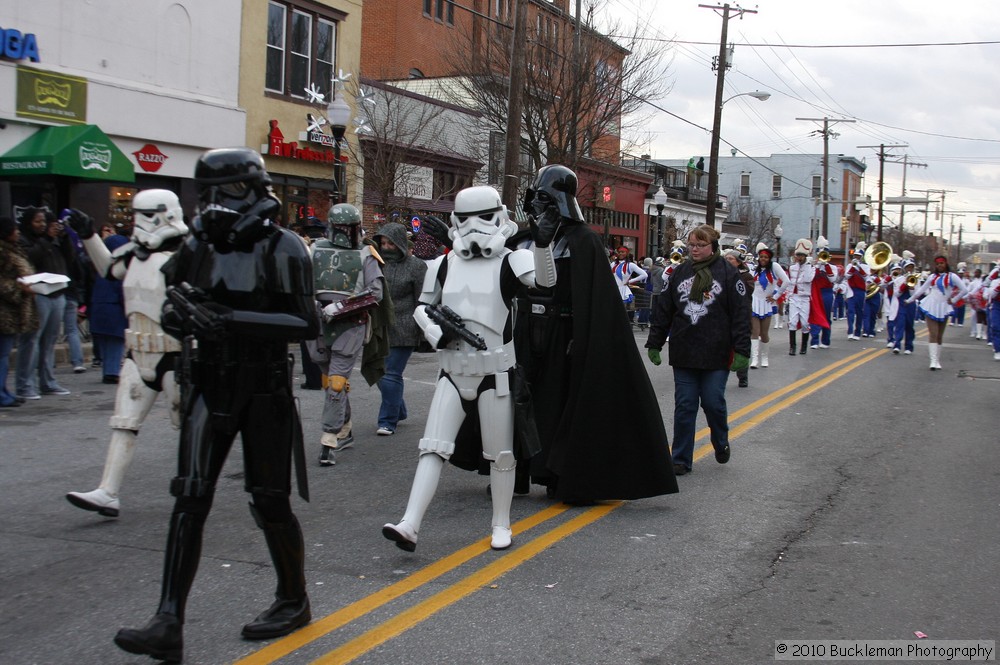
{"points": [[404, 276]]}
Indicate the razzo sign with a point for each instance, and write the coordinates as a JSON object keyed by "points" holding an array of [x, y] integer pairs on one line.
{"points": [[15, 46]]}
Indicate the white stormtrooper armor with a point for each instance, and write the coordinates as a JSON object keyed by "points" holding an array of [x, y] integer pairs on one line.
{"points": [[147, 369], [472, 287]]}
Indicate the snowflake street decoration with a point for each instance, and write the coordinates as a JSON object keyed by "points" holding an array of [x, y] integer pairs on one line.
{"points": [[315, 96], [365, 96], [315, 124], [341, 78], [361, 126]]}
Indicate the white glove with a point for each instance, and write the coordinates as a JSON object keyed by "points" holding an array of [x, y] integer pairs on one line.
{"points": [[331, 310]]}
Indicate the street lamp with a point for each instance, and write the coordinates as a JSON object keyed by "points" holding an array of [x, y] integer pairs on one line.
{"points": [[660, 199], [338, 113], [778, 232], [713, 159]]}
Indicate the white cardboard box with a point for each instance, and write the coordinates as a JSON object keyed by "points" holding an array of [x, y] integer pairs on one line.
{"points": [[46, 282]]}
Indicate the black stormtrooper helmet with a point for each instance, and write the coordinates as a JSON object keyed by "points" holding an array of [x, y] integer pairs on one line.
{"points": [[343, 226], [235, 201], [554, 184]]}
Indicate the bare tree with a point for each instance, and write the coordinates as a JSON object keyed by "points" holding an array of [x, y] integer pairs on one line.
{"points": [[755, 219], [575, 97], [402, 139]]}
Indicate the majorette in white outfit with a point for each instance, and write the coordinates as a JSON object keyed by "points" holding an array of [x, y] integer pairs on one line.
{"points": [[770, 281], [938, 297], [150, 354], [471, 281]]}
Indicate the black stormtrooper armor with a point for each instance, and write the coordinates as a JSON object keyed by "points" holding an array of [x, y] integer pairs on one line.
{"points": [[247, 292]]}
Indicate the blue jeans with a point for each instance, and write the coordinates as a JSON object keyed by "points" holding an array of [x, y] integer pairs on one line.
{"points": [[112, 351], [72, 331], [691, 386], [36, 351], [6, 346], [393, 407]]}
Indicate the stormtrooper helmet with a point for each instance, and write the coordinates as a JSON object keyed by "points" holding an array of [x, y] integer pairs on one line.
{"points": [[480, 225], [343, 225], [158, 217]]}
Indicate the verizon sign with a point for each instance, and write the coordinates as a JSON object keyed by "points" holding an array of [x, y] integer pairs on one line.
{"points": [[150, 158]]}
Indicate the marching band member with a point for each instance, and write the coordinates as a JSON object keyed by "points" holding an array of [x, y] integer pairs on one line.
{"points": [[770, 282], [993, 298], [938, 302], [891, 309], [826, 275], [856, 273], [800, 277], [958, 315], [906, 316], [977, 304]]}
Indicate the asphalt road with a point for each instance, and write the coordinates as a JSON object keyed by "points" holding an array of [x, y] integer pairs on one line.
{"points": [[860, 503]]}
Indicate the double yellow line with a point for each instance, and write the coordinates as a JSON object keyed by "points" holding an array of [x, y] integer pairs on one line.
{"points": [[778, 400]]}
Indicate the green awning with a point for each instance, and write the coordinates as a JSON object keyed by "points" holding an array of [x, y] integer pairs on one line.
{"points": [[80, 151]]}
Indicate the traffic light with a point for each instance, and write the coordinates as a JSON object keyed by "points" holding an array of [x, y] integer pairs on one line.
{"points": [[843, 223], [979, 225]]}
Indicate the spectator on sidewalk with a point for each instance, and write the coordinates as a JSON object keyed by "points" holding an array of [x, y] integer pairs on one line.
{"points": [[36, 350], [17, 302], [107, 318]]}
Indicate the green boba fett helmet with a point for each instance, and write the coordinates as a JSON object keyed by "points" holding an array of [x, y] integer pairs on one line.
{"points": [[343, 226]]}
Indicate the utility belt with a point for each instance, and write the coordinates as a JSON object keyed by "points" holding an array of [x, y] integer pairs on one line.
{"points": [[477, 363], [258, 376], [545, 306]]}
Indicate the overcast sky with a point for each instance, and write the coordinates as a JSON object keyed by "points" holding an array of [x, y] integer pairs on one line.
{"points": [[943, 101]]}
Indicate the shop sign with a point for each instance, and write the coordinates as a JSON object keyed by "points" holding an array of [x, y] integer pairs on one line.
{"points": [[414, 182], [15, 46], [605, 196], [149, 158], [50, 96], [276, 146], [95, 157]]}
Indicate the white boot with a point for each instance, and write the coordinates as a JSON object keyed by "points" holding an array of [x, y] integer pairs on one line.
{"points": [[104, 500], [502, 491], [935, 353], [763, 354], [425, 482], [754, 352]]}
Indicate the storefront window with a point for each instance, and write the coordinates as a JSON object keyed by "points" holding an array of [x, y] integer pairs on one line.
{"points": [[120, 209]]}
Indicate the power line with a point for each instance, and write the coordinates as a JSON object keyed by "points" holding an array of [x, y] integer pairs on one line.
{"points": [[825, 46]]}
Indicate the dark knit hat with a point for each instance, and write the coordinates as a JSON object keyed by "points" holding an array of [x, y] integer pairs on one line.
{"points": [[7, 227]]}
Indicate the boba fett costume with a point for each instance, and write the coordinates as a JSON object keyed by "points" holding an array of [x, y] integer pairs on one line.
{"points": [[348, 282]]}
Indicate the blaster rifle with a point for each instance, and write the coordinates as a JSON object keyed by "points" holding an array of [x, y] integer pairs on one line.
{"points": [[184, 298], [453, 326]]}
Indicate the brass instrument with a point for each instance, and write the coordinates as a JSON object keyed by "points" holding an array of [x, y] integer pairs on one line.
{"points": [[871, 289], [912, 279], [676, 257], [878, 255], [823, 256]]}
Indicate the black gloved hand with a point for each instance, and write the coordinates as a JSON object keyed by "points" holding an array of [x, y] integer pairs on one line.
{"points": [[543, 229], [212, 321], [436, 229], [80, 222]]}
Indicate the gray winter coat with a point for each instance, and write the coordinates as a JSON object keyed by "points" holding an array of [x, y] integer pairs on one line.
{"points": [[405, 279]]}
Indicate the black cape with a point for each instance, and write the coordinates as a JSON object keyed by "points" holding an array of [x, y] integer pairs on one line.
{"points": [[598, 418]]}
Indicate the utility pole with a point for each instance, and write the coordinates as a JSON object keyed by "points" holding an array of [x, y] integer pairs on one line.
{"points": [[881, 178], [902, 206], [940, 212], [578, 60], [512, 146], [721, 66], [826, 164]]}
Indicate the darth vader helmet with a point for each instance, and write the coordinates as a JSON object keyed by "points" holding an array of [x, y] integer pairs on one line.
{"points": [[158, 216], [553, 184], [235, 201]]}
